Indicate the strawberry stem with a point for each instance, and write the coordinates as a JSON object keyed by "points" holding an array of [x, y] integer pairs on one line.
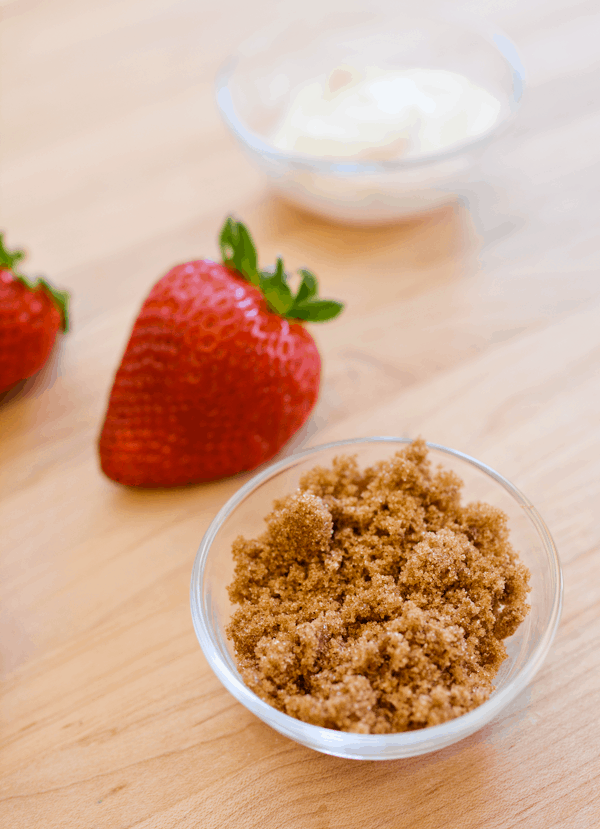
{"points": [[8, 260], [239, 252]]}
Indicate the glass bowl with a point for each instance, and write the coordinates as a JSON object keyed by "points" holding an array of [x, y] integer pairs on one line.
{"points": [[256, 86], [243, 514]]}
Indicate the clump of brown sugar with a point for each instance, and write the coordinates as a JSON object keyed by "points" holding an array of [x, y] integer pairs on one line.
{"points": [[375, 602]]}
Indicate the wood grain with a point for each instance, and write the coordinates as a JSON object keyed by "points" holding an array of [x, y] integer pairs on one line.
{"points": [[477, 326]]}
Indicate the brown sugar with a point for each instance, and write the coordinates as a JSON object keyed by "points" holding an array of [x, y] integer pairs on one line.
{"points": [[375, 602]]}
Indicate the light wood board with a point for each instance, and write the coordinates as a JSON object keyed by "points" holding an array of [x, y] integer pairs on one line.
{"points": [[477, 328]]}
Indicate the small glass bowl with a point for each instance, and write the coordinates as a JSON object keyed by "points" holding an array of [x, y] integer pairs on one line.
{"points": [[244, 515], [255, 87]]}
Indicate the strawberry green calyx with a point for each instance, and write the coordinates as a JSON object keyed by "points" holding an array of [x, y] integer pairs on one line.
{"points": [[8, 260], [60, 299], [238, 252]]}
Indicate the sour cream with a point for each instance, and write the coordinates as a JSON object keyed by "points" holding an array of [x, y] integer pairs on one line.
{"points": [[378, 114]]}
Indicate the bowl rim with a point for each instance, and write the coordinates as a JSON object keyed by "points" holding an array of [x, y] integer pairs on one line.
{"points": [[493, 35], [330, 740]]}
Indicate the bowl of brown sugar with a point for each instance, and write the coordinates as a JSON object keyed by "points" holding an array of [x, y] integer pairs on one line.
{"points": [[376, 598]]}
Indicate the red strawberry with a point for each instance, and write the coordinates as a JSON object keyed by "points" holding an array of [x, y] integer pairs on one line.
{"points": [[30, 317], [219, 371]]}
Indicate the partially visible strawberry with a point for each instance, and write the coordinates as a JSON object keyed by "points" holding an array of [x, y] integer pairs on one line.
{"points": [[31, 314], [219, 371]]}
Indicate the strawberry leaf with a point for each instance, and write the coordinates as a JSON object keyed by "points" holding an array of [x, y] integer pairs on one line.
{"points": [[228, 241], [8, 259], [308, 286], [249, 257], [316, 310], [239, 253], [277, 292], [60, 299]]}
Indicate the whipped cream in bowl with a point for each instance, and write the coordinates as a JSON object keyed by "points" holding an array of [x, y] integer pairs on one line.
{"points": [[375, 120], [382, 114]]}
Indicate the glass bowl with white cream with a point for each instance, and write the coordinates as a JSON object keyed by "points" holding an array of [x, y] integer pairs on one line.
{"points": [[374, 115]]}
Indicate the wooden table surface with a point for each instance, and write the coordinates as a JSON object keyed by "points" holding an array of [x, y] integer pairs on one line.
{"points": [[478, 329]]}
